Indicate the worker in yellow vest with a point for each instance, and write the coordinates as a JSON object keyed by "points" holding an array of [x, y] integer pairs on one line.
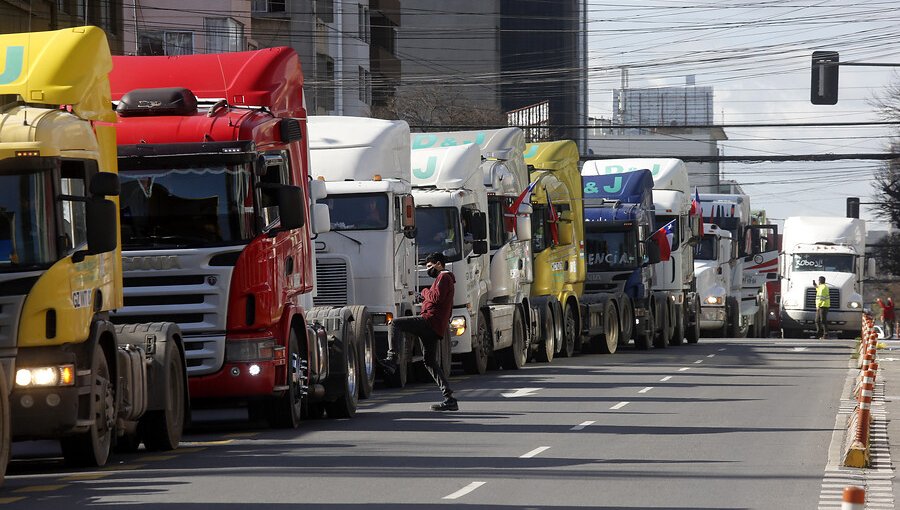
{"points": [[823, 301]]}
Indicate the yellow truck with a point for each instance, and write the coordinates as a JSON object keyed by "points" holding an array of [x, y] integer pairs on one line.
{"points": [[72, 375], [567, 322]]}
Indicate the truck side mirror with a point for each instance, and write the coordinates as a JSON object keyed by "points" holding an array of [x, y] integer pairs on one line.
{"points": [[870, 268], [291, 206], [565, 217], [102, 230], [479, 226], [408, 216], [479, 247], [105, 184], [321, 219], [653, 254], [523, 222], [317, 190]]}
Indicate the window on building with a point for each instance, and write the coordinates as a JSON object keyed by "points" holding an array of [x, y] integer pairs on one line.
{"points": [[166, 43], [268, 6], [223, 35], [364, 23], [325, 82], [79, 9], [365, 85], [325, 10]]}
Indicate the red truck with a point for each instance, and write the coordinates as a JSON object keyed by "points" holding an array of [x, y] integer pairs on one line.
{"points": [[216, 224]]}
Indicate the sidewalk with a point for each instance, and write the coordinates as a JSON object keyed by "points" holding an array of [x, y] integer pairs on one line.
{"points": [[889, 368]]}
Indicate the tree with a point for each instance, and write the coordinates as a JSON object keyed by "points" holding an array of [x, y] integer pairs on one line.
{"points": [[437, 105], [887, 186]]}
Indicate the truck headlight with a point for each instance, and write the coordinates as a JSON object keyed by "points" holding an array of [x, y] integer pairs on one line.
{"points": [[458, 325], [262, 349], [714, 300], [854, 304], [60, 375]]}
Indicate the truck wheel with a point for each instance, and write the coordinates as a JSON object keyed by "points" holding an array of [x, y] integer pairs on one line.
{"points": [[92, 448], [4, 426], [364, 333], [547, 346], [642, 340], [476, 362], [345, 405], [660, 338], [677, 337], [286, 411], [570, 332], [626, 322], [609, 341], [515, 356], [162, 429], [693, 330]]}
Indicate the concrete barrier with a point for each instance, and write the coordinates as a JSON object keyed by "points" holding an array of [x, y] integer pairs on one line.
{"points": [[856, 451]]}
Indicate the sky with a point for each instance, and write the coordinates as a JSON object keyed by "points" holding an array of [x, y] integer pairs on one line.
{"points": [[756, 56]]}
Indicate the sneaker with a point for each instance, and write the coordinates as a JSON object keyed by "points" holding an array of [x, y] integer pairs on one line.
{"points": [[448, 404]]}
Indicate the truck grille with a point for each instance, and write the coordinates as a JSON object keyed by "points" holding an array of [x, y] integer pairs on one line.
{"points": [[10, 310], [810, 302], [331, 283]]}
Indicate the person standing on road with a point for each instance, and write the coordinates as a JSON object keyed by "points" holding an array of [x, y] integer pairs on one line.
{"points": [[431, 326], [888, 317], [823, 302]]}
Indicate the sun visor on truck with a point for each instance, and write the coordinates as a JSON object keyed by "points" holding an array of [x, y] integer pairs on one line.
{"points": [[183, 155]]}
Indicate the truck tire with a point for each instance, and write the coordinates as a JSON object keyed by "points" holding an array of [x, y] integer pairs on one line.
{"points": [[400, 377], [162, 429], [547, 344], [476, 361], [677, 337], [609, 341], [660, 337], [345, 405], [364, 333], [4, 426], [515, 356], [693, 329], [570, 332], [91, 448], [642, 340], [286, 411], [626, 321]]}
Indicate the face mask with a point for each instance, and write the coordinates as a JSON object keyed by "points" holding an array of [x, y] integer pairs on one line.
{"points": [[433, 272]]}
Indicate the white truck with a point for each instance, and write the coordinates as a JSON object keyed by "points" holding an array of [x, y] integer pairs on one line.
{"points": [[369, 257], [714, 256], [830, 247], [677, 306], [451, 217], [756, 258]]}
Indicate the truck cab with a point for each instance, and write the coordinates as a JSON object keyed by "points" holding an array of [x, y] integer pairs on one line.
{"points": [[713, 260]]}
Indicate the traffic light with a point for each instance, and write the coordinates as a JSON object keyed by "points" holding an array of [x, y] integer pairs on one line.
{"points": [[853, 207], [824, 86]]}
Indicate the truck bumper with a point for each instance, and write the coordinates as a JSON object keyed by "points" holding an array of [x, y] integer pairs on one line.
{"points": [[838, 320], [712, 317], [238, 380], [38, 413]]}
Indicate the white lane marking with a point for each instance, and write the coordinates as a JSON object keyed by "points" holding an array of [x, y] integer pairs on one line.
{"points": [[620, 405], [698, 362], [666, 378], [465, 490], [645, 390], [711, 356], [798, 349], [684, 369], [722, 349], [582, 425], [533, 453], [522, 392]]}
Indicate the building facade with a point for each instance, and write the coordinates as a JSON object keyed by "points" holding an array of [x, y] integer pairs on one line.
{"points": [[21, 16]]}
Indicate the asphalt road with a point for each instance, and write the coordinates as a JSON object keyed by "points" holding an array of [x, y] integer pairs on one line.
{"points": [[723, 424]]}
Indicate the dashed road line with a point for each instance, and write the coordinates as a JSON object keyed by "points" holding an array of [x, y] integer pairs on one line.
{"points": [[711, 356], [465, 490], [666, 378], [6, 501], [522, 392], [698, 362], [722, 349], [620, 405], [534, 453], [684, 369], [645, 390], [582, 425]]}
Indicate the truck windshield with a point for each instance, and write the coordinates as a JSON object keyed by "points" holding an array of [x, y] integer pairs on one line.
{"points": [[838, 263], [707, 248], [437, 230], [187, 207], [611, 250], [26, 211], [358, 212]]}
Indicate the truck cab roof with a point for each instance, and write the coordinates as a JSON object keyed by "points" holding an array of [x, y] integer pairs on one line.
{"points": [[668, 173], [455, 167], [358, 148]]}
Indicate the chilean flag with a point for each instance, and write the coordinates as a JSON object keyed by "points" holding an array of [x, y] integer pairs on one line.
{"points": [[512, 214], [697, 209], [664, 238]]}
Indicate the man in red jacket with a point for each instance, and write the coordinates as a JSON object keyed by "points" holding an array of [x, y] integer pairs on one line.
{"points": [[431, 325]]}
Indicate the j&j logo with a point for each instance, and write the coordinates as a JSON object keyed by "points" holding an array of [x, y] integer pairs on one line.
{"points": [[13, 65], [428, 171]]}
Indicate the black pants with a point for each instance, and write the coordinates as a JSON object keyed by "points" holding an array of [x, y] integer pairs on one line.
{"points": [[430, 342], [821, 321]]}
